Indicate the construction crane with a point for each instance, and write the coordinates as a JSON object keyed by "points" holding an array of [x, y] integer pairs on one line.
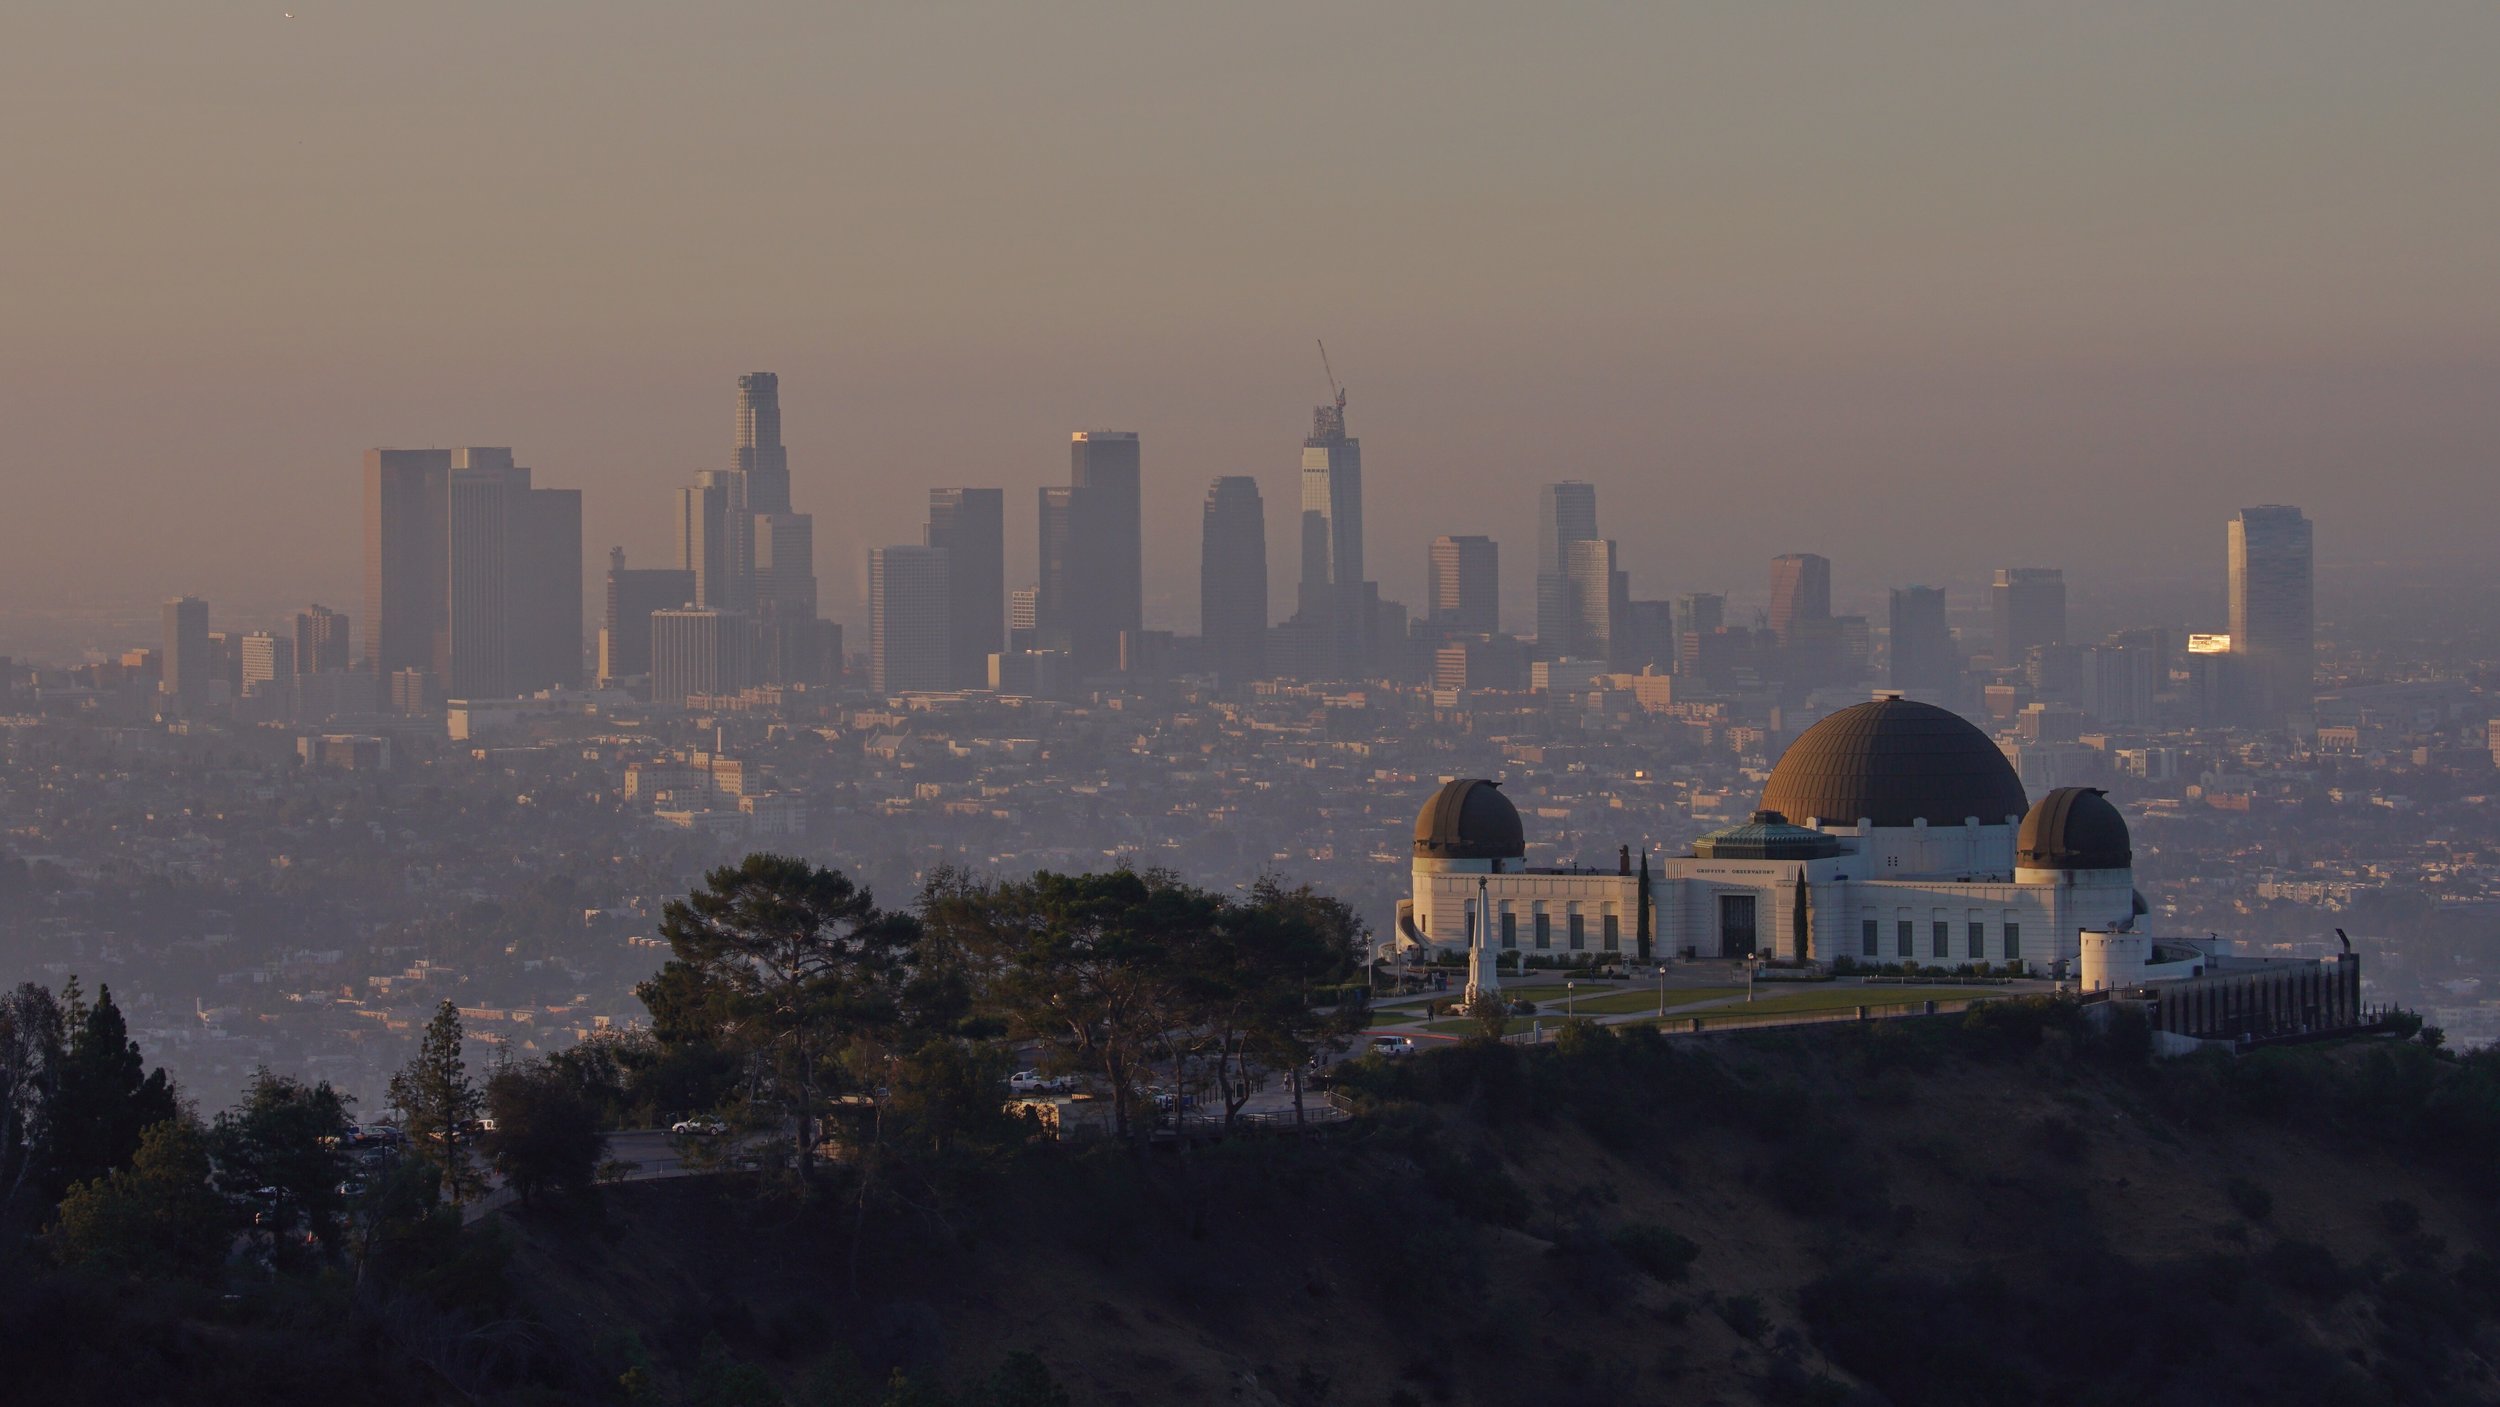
{"points": [[1333, 388]]}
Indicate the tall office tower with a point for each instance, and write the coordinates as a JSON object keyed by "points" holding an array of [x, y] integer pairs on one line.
{"points": [[1801, 592], [472, 576], [2119, 682], [760, 454], [1600, 594], [1923, 661], [2274, 610], [406, 513], [1061, 561], [971, 525], [1332, 525], [320, 640], [546, 599], [1232, 580], [1092, 552], [749, 552], [473, 651], [187, 668], [789, 647], [1104, 467], [634, 593], [268, 665], [695, 652], [709, 535], [1465, 588], [1565, 513], [1023, 609], [1644, 637], [909, 640], [2030, 607]]}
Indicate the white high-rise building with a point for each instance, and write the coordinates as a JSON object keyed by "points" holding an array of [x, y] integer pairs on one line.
{"points": [[696, 651]]}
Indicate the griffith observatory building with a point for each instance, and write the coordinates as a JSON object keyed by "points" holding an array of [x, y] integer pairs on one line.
{"points": [[1892, 831]]}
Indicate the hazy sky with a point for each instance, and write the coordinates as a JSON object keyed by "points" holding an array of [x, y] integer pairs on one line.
{"points": [[1924, 287]]}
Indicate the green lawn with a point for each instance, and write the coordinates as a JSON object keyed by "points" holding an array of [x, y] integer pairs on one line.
{"points": [[1465, 1027], [1772, 1001], [1627, 1001]]}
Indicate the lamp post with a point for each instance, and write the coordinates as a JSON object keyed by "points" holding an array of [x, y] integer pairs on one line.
{"points": [[1752, 961], [1662, 989], [1570, 992]]}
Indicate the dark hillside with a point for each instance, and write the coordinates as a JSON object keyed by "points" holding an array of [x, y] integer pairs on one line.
{"points": [[1999, 1210]]}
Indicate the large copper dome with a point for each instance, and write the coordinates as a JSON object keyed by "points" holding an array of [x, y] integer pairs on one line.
{"points": [[1469, 819], [1895, 762]]}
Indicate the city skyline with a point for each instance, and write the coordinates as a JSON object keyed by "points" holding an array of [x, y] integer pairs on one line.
{"points": [[2024, 329]]}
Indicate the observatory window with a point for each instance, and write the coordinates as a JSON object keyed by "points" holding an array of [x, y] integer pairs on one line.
{"points": [[1905, 941], [1870, 939], [1944, 939], [1544, 929], [1576, 925], [1978, 941], [1510, 929], [2013, 940], [1613, 936]]}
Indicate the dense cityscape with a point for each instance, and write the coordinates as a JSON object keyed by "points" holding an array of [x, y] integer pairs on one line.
{"points": [[284, 845]]}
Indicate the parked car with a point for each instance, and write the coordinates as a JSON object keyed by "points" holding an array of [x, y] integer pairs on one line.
{"points": [[1393, 1046], [698, 1128], [1035, 1082], [351, 1189]]}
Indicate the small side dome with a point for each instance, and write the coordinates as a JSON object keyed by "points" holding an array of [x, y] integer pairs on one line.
{"points": [[2074, 828], [1469, 819]]}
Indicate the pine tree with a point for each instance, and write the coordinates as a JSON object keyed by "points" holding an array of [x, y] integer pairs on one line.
{"points": [[438, 1104], [106, 1097]]}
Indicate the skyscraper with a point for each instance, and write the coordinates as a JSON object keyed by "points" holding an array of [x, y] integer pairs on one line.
{"points": [[697, 651], [749, 551], [321, 643], [2030, 608], [1923, 659], [759, 451], [908, 636], [1465, 587], [971, 525], [187, 669], [708, 511], [1232, 580], [546, 601], [634, 594], [472, 576], [473, 651], [2274, 610], [1023, 609], [268, 667], [1092, 552], [1599, 597], [1340, 629], [1332, 504], [1565, 513], [1801, 593], [407, 511]]}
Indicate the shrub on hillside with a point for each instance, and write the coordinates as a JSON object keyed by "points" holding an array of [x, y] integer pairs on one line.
{"points": [[1660, 1253]]}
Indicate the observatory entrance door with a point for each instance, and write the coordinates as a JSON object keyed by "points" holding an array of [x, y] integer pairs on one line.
{"points": [[1736, 925]]}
